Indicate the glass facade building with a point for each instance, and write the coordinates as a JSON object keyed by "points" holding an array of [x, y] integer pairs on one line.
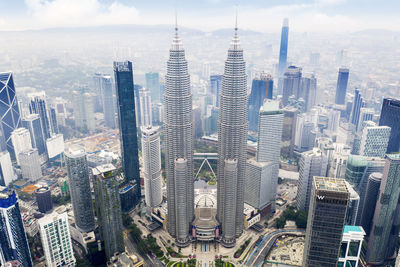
{"points": [[326, 220], [291, 84], [390, 116], [215, 87], [341, 87], [358, 103], [153, 85], [261, 89], [9, 112], [284, 47], [32, 123], [127, 119], [38, 105], [13, 241]]}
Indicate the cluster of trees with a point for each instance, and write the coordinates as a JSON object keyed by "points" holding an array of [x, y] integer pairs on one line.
{"points": [[61, 200], [240, 250], [145, 245], [300, 217]]}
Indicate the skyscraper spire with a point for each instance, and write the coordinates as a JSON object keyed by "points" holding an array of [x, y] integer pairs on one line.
{"points": [[178, 131], [232, 142]]}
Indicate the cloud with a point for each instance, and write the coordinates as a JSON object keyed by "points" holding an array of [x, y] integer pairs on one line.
{"points": [[54, 13], [329, 2]]}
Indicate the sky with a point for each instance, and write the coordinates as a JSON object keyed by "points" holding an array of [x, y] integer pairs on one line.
{"points": [[206, 15]]}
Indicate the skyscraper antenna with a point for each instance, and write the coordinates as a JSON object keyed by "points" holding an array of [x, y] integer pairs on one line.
{"points": [[236, 27], [176, 20]]}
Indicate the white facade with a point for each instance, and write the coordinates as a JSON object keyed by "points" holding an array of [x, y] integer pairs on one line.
{"points": [[260, 188], [366, 114], [30, 164], [151, 153], [55, 145], [352, 239], [333, 120], [56, 240], [21, 140], [7, 170], [145, 108], [312, 163], [89, 111], [374, 141]]}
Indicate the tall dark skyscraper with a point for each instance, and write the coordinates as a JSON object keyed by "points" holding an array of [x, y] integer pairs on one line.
{"points": [[358, 103], [261, 89], [9, 112], [232, 143], [325, 224], [390, 116], [127, 121], [215, 87], [341, 86], [32, 123], [38, 105], [13, 242], [291, 83], [284, 48]]}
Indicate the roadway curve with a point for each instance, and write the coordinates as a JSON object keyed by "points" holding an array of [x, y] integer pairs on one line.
{"points": [[260, 251]]}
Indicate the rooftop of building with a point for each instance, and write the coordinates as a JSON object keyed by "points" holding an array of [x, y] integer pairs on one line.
{"points": [[106, 169], [75, 151], [352, 228], [270, 106], [330, 184], [393, 156], [42, 189]]}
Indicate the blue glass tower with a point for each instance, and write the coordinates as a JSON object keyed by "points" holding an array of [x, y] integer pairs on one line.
{"points": [[341, 86], [9, 112], [38, 106], [284, 48], [53, 120], [215, 87], [127, 122], [358, 103], [32, 123], [153, 84], [390, 116], [261, 89], [13, 242]]}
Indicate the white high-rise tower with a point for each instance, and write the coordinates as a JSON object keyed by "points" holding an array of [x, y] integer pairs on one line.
{"points": [[232, 143], [178, 131]]}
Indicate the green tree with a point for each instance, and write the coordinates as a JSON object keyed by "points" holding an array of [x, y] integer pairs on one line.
{"points": [[301, 219]]}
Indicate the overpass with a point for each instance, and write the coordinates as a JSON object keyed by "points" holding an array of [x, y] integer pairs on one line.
{"points": [[205, 157]]}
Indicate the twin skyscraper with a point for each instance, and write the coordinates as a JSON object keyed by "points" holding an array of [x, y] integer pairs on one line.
{"points": [[232, 142]]}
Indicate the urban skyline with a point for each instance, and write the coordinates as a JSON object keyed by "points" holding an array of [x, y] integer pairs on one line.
{"points": [[198, 155]]}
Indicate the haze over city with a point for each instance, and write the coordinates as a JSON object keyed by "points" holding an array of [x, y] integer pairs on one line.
{"points": [[199, 133]]}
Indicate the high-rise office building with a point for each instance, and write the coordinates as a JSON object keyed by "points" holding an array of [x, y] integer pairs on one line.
{"points": [[341, 87], [56, 239], [353, 206], [108, 206], [260, 189], [312, 163], [326, 220], [380, 243], [83, 104], [153, 85], [13, 242], [21, 140], [288, 131], [53, 121], [61, 110], [366, 114], [9, 111], [127, 120], [215, 87], [390, 116], [283, 48], [350, 248], [7, 174], [232, 144], [30, 164], [308, 91], [32, 123], [43, 199], [261, 89], [79, 186], [129, 195], [178, 132], [98, 90], [108, 101], [151, 153], [333, 120], [374, 141], [291, 84], [145, 108], [358, 103], [38, 105], [371, 198]]}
